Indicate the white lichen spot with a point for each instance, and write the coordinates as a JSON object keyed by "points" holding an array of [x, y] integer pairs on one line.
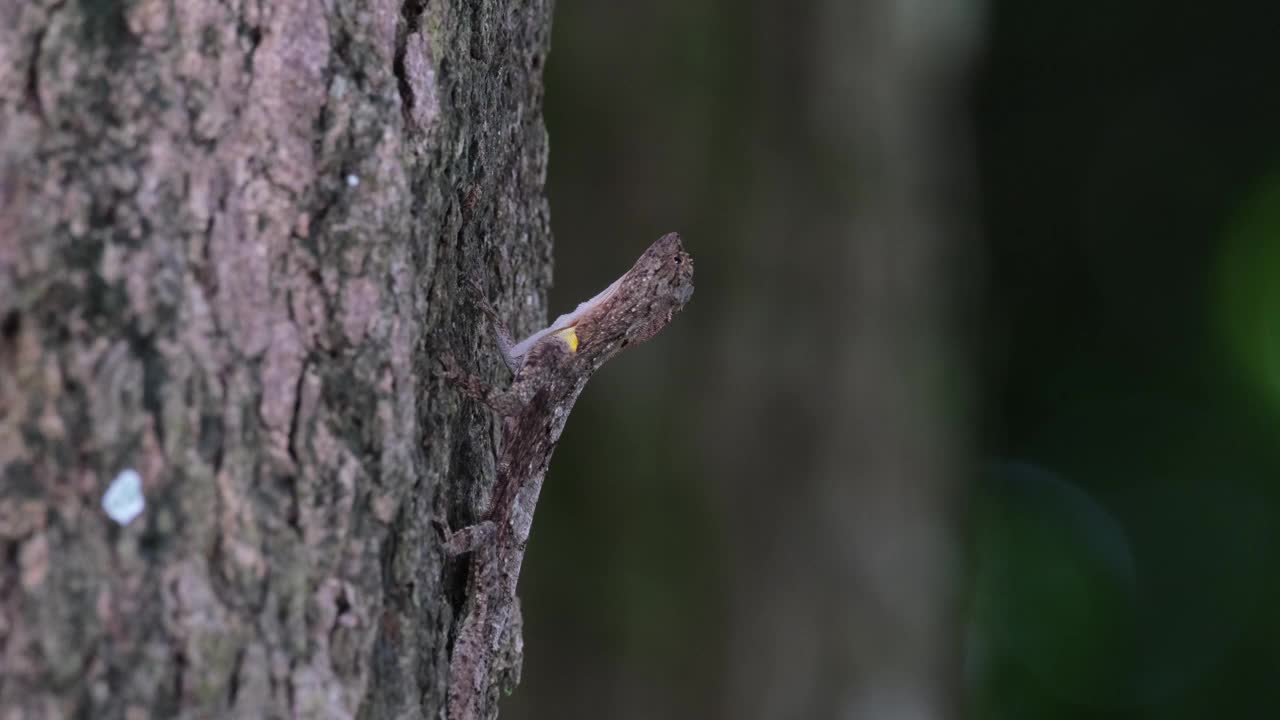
{"points": [[353, 181], [123, 500]]}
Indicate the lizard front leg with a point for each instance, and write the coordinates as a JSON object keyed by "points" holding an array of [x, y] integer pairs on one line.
{"points": [[504, 402], [501, 333], [467, 539]]}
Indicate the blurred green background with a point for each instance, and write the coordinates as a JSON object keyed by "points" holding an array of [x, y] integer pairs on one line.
{"points": [[978, 396]]}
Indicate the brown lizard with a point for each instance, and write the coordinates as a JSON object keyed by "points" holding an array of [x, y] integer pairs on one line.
{"points": [[550, 368]]}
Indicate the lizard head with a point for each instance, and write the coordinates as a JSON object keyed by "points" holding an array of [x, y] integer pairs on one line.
{"points": [[646, 299]]}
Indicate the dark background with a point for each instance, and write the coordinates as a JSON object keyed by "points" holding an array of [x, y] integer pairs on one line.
{"points": [[1113, 360]]}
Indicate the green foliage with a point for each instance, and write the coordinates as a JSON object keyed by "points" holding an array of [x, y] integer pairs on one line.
{"points": [[1055, 590], [1249, 289]]}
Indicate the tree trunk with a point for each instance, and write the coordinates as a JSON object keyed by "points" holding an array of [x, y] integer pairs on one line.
{"points": [[231, 238], [788, 546], [848, 536]]}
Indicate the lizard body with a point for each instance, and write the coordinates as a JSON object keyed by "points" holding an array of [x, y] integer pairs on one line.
{"points": [[551, 367]]}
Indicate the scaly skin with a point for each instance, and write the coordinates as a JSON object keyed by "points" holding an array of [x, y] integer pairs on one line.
{"points": [[551, 369]]}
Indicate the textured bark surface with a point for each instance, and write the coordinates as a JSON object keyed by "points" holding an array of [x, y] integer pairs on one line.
{"points": [[231, 237]]}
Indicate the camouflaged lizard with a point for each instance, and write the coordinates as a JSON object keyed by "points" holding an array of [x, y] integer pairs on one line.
{"points": [[550, 369]]}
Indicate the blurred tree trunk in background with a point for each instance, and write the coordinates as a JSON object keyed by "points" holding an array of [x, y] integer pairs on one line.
{"points": [[230, 242], [772, 512], [845, 562]]}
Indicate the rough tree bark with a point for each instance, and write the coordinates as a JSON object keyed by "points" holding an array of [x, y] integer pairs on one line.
{"points": [[231, 238]]}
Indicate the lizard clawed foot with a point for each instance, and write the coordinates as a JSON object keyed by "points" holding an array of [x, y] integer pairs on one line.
{"points": [[450, 369]]}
